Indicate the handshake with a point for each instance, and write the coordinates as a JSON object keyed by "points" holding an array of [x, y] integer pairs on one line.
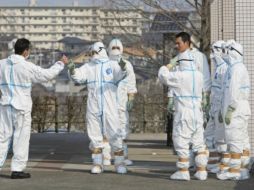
{"points": [[70, 64]]}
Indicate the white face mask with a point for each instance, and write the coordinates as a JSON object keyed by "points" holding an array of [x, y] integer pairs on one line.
{"points": [[115, 54], [115, 57]]}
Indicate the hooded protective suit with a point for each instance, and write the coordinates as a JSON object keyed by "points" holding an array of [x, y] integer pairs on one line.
{"points": [[214, 132], [126, 89], [16, 78], [186, 85], [236, 109], [101, 76]]}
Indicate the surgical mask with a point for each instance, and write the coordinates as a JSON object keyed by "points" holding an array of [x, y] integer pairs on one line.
{"points": [[115, 57], [115, 54]]}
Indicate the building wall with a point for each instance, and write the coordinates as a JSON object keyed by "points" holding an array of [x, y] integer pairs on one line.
{"points": [[46, 25], [233, 19]]}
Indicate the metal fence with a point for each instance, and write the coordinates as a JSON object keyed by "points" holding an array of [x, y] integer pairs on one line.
{"points": [[56, 113]]}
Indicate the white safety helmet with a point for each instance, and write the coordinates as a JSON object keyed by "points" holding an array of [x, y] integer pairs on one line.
{"points": [[115, 49], [98, 51], [186, 61]]}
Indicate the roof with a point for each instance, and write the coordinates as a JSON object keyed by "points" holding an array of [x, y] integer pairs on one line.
{"points": [[74, 40], [165, 22]]}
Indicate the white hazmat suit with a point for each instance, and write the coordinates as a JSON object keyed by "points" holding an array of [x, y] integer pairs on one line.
{"points": [[214, 132], [125, 91], [236, 112], [186, 85], [202, 66], [16, 78], [102, 76]]}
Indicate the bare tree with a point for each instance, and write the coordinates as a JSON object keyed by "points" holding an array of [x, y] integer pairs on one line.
{"points": [[168, 9]]}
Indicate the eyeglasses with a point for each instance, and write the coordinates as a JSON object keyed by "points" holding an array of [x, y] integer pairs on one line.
{"points": [[115, 47]]}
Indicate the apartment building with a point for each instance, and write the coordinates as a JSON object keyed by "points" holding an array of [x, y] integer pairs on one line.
{"points": [[44, 26]]}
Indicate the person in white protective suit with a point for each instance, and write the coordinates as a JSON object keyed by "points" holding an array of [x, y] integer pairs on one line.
{"points": [[101, 76], [186, 84], [183, 43], [236, 112], [125, 97], [214, 132], [16, 78]]}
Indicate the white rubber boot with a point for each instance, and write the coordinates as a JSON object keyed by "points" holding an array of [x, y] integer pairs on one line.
{"points": [[245, 165], [97, 164], [233, 172], [201, 163], [119, 165], [183, 173], [106, 154]]}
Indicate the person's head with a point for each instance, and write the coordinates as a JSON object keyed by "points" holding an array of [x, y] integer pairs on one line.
{"points": [[115, 49], [22, 47], [98, 51], [182, 41], [233, 52], [217, 49]]}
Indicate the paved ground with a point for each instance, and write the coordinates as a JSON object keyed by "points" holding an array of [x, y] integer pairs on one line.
{"points": [[62, 161]]}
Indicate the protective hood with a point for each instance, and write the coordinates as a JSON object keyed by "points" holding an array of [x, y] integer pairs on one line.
{"points": [[15, 58], [186, 61], [217, 52], [233, 52], [115, 49], [100, 49]]}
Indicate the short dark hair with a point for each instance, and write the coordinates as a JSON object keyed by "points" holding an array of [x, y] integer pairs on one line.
{"points": [[21, 45], [185, 36]]}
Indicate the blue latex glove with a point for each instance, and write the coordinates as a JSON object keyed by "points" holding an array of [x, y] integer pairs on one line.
{"points": [[228, 115]]}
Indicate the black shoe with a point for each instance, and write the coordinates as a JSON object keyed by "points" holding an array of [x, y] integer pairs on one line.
{"points": [[20, 175]]}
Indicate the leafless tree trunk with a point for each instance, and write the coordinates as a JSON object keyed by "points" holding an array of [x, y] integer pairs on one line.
{"points": [[202, 7]]}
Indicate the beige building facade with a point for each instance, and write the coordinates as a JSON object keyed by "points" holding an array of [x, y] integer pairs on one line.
{"points": [[44, 26]]}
